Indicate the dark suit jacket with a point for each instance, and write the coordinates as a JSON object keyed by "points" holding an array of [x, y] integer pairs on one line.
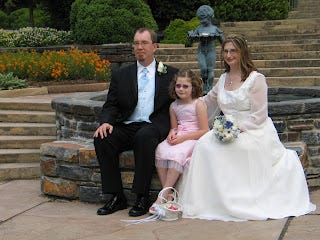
{"points": [[123, 97]]}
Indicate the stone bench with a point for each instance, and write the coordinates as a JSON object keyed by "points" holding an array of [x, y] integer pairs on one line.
{"points": [[69, 169]]}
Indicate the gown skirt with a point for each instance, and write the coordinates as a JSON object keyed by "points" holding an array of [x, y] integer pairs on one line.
{"points": [[252, 178]]}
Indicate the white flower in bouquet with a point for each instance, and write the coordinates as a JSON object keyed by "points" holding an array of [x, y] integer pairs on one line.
{"points": [[225, 128]]}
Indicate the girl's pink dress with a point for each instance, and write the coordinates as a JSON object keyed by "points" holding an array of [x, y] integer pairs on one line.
{"points": [[178, 156]]}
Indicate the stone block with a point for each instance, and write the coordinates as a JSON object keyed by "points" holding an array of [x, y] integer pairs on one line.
{"points": [[127, 180], [126, 160], [90, 194], [301, 149], [76, 173], [59, 187], [293, 136], [314, 151], [63, 150], [300, 125], [49, 166], [315, 161], [311, 137], [280, 126], [88, 158]]}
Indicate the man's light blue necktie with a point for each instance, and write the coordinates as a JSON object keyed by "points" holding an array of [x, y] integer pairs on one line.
{"points": [[144, 76]]}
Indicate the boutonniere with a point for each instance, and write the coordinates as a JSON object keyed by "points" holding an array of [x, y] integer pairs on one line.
{"points": [[162, 69]]}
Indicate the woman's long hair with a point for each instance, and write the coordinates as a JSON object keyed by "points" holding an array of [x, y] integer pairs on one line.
{"points": [[246, 64]]}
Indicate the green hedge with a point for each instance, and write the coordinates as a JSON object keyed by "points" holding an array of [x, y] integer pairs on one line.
{"points": [[251, 10], [108, 21]]}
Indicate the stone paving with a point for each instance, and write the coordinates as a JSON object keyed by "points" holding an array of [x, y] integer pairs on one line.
{"points": [[27, 214]]}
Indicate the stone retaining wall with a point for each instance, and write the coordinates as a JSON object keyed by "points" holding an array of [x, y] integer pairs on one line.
{"points": [[70, 169]]}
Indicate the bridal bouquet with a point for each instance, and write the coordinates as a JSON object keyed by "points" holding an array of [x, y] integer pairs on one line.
{"points": [[225, 128]]}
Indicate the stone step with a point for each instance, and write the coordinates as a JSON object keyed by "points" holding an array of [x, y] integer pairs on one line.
{"points": [[32, 129], [9, 171], [285, 63], [254, 48], [299, 81], [302, 15], [293, 81], [289, 38], [19, 155], [27, 116], [255, 56], [24, 104], [271, 24], [24, 142]]}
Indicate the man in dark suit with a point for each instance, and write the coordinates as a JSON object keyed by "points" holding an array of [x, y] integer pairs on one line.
{"points": [[134, 116]]}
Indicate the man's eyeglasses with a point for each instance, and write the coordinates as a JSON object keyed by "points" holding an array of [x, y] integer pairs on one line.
{"points": [[143, 44], [184, 86], [231, 51]]}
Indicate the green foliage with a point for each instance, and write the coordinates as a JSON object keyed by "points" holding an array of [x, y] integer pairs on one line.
{"points": [[177, 30], [34, 37], [165, 11], [4, 22], [251, 10], [9, 82], [21, 18], [108, 21], [59, 11]]}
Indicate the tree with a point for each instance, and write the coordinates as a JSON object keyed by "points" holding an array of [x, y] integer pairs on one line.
{"points": [[11, 5], [59, 11]]}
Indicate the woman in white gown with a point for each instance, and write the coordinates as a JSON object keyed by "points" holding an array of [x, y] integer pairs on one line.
{"points": [[253, 177]]}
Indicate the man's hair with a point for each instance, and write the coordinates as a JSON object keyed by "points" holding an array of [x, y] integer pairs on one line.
{"points": [[151, 31]]}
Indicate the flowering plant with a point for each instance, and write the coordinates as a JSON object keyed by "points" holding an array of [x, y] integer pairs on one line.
{"points": [[225, 128], [162, 69]]}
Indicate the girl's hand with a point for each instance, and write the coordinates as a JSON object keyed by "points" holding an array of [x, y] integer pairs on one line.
{"points": [[177, 140], [171, 136]]}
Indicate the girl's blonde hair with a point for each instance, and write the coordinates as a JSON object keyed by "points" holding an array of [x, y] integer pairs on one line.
{"points": [[196, 83]]}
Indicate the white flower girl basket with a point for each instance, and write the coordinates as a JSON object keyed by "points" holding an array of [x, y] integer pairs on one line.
{"points": [[169, 210], [166, 211]]}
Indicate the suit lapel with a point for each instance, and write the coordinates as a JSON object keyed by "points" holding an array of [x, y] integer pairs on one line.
{"points": [[133, 75], [157, 81]]}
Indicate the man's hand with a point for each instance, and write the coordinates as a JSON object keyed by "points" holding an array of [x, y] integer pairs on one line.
{"points": [[103, 130]]}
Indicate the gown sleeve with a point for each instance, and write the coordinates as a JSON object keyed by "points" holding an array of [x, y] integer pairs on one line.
{"points": [[212, 104], [258, 95]]}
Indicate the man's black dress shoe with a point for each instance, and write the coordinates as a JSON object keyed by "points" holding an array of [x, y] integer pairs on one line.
{"points": [[116, 203], [140, 207]]}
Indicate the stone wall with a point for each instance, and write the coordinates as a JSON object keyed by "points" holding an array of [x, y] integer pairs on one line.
{"points": [[70, 168]]}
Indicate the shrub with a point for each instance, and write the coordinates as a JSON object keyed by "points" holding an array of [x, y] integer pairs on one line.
{"points": [[55, 65], [251, 10], [20, 18], [177, 30], [108, 21], [9, 82], [4, 22], [34, 37]]}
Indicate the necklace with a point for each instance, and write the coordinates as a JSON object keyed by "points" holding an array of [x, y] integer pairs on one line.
{"points": [[230, 80]]}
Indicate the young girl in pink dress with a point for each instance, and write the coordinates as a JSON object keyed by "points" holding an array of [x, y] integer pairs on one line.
{"points": [[189, 121]]}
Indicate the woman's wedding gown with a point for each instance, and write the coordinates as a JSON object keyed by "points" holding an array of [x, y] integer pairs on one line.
{"points": [[252, 178]]}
